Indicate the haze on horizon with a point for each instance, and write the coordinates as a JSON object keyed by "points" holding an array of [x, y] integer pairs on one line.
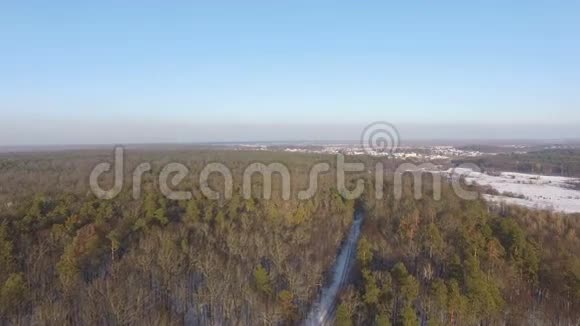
{"points": [[105, 72]]}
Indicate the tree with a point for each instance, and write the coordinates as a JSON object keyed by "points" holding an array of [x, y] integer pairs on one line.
{"points": [[572, 279], [220, 220], [12, 293], [155, 208], [519, 250], [383, 320], [432, 240], [456, 302], [455, 268], [115, 238], [484, 296], [387, 296], [438, 300], [287, 305], [192, 214], [262, 280], [160, 214], [406, 283], [495, 252], [408, 317], [68, 268], [364, 252], [372, 291], [7, 262], [343, 317]]}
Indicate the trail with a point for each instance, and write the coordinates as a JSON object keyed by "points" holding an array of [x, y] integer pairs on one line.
{"points": [[322, 311]]}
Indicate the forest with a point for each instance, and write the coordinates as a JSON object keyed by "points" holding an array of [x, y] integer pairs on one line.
{"points": [[558, 162], [68, 258]]}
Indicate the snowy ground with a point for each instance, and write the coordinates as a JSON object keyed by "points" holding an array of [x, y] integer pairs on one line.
{"points": [[538, 191], [322, 311]]}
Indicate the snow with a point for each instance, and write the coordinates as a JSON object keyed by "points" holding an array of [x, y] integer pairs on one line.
{"points": [[322, 310], [539, 191]]}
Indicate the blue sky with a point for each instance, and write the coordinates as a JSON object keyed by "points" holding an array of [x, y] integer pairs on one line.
{"points": [[146, 71]]}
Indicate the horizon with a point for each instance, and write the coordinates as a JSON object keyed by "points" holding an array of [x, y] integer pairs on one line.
{"points": [[139, 134], [409, 143]]}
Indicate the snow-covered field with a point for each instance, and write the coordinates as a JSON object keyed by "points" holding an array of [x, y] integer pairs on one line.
{"points": [[538, 191]]}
